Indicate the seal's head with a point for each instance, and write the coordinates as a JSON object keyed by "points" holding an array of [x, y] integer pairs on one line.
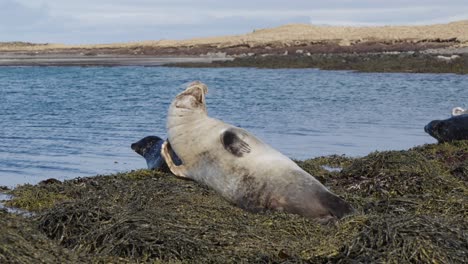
{"points": [[144, 145], [432, 128], [193, 98], [454, 128], [150, 148]]}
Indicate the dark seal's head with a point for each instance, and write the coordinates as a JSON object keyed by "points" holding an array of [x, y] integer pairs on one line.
{"points": [[150, 148], [454, 128], [146, 144]]}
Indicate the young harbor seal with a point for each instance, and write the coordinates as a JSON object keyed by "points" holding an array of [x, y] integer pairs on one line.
{"points": [[459, 111], [454, 128], [150, 148], [240, 167]]}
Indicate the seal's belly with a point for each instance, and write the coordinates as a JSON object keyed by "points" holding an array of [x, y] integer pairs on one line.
{"points": [[192, 140], [233, 177], [198, 145]]}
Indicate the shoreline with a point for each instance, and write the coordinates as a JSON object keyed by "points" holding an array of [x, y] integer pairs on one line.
{"points": [[445, 60], [287, 46]]}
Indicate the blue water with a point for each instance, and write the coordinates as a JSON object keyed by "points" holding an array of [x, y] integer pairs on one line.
{"points": [[66, 122]]}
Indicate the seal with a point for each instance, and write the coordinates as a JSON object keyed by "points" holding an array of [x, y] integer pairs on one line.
{"points": [[150, 148], [454, 128], [239, 166], [459, 111]]}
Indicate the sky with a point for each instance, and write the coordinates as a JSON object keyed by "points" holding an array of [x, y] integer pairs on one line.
{"points": [[109, 21]]}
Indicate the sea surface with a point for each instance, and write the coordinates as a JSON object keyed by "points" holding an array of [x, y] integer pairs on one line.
{"points": [[67, 122]]}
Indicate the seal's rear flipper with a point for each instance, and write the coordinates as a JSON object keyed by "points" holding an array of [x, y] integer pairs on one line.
{"points": [[335, 205], [232, 142]]}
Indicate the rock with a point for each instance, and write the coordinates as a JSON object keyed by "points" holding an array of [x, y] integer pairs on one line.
{"points": [[344, 42], [444, 58], [49, 181], [215, 55]]}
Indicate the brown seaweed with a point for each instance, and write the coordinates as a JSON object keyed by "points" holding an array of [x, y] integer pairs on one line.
{"points": [[412, 208]]}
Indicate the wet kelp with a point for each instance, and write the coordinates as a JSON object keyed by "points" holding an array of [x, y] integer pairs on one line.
{"points": [[412, 207], [22, 242], [371, 62]]}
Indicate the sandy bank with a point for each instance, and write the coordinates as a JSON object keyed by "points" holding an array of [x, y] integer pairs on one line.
{"points": [[292, 35], [102, 60]]}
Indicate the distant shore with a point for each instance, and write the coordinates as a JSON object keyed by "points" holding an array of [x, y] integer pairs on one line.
{"points": [[378, 62], [441, 48], [436, 56], [425, 61]]}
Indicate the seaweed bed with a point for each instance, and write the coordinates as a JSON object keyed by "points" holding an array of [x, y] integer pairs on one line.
{"points": [[412, 207], [380, 62]]}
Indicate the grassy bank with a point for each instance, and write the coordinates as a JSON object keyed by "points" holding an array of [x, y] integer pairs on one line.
{"points": [[404, 62], [413, 207]]}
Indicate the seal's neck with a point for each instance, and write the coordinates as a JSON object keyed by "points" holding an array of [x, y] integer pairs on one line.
{"points": [[181, 116]]}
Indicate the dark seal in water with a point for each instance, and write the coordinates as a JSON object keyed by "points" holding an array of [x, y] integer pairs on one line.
{"points": [[454, 128]]}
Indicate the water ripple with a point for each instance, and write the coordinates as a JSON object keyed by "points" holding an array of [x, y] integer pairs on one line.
{"points": [[69, 122]]}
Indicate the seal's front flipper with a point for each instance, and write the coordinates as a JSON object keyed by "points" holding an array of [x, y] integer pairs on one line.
{"points": [[232, 140], [177, 170]]}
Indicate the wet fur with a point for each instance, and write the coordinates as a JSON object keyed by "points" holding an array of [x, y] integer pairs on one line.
{"points": [[454, 128]]}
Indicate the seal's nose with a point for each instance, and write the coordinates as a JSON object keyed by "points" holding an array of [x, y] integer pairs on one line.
{"points": [[426, 128], [432, 127], [133, 146]]}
